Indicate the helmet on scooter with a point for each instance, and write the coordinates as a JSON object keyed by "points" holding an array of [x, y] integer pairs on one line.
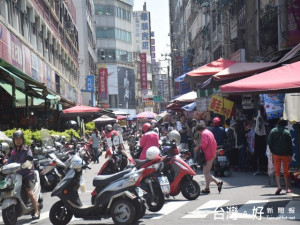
{"points": [[174, 135], [216, 122], [18, 133], [4, 147], [146, 127], [152, 153], [108, 127]]}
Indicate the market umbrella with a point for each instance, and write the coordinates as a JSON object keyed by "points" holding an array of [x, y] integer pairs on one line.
{"points": [[120, 113], [189, 107], [104, 118], [82, 109], [204, 72], [188, 97], [145, 115], [283, 79], [120, 117], [3, 136], [161, 116]]}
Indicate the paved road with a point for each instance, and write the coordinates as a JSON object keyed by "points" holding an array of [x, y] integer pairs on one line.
{"points": [[244, 199]]}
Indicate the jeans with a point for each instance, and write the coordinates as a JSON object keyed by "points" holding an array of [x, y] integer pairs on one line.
{"points": [[96, 156]]}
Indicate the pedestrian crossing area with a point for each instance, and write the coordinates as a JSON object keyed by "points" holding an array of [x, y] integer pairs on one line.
{"points": [[212, 210]]}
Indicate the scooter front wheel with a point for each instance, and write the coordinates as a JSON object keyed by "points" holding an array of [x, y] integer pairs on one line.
{"points": [[123, 212], [190, 189], [59, 214], [9, 215]]}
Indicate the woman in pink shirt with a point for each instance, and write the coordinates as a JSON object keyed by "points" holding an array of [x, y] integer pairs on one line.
{"points": [[149, 139], [209, 147]]}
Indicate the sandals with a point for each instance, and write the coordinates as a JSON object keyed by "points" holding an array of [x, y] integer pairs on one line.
{"points": [[220, 184], [278, 191], [288, 191], [205, 191]]}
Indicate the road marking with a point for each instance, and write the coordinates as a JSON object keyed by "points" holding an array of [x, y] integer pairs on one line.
{"points": [[250, 210], [291, 211], [205, 209], [168, 207]]}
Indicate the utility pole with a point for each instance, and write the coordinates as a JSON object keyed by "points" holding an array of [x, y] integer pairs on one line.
{"points": [[169, 82]]}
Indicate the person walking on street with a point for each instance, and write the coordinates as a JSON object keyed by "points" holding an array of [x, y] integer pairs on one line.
{"points": [[96, 142], [184, 130], [209, 147], [219, 132], [281, 147]]}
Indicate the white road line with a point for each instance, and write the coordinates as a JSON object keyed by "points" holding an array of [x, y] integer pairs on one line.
{"points": [[291, 211], [205, 209], [166, 209], [250, 210]]}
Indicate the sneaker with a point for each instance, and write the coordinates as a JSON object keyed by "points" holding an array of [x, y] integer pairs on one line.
{"points": [[220, 184], [205, 191], [36, 216]]}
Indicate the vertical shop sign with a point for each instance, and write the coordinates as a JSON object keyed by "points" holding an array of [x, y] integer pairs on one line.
{"points": [[4, 44], [102, 88], [27, 60], [90, 83], [143, 59]]}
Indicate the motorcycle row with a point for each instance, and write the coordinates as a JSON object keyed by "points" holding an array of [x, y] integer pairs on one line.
{"points": [[123, 189]]}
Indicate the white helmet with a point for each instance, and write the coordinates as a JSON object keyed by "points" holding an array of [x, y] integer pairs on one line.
{"points": [[152, 152], [174, 135], [153, 123]]}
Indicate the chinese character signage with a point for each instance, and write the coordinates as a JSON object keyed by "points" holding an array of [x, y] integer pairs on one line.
{"points": [[90, 83], [142, 31], [143, 70], [102, 89], [221, 106]]}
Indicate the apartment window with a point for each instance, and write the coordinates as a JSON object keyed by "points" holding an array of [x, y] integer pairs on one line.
{"points": [[113, 101]]}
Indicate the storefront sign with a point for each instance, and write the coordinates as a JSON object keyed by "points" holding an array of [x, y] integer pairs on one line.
{"points": [[102, 89], [221, 105], [16, 52], [90, 83], [202, 104], [143, 58], [27, 60], [293, 20], [142, 31], [4, 44], [274, 105]]}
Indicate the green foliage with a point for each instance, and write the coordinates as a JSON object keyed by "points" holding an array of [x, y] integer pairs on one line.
{"points": [[90, 126], [72, 132]]}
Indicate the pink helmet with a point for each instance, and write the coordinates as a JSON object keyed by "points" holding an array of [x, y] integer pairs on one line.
{"points": [[216, 122], [146, 127]]}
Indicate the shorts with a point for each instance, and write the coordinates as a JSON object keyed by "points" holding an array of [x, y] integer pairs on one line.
{"points": [[28, 183]]}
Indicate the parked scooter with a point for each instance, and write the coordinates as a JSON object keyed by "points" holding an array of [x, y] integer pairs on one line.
{"points": [[119, 198], [15, 201], [222, 165], [186, 155]]}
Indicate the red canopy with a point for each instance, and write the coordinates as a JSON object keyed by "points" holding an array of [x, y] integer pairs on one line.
{"points": [[120, 117], [283, 79], [82, 109], [145, 115], [202, 73]]}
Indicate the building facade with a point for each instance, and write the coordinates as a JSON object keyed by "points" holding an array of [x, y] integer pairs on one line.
{"points": [[202, 31], [87, 58], [39, 40]]}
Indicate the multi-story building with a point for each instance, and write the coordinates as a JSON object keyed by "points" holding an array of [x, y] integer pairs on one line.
{"points": [[39, 44], [115, 55], [87, 58], [203, 31]]}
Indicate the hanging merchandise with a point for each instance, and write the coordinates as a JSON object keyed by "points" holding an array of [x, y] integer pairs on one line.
{"points": [[274, 105], [247, 102]]}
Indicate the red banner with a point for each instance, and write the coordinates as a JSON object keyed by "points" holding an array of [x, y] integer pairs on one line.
{"points": [[143, 58], [102, 88]]}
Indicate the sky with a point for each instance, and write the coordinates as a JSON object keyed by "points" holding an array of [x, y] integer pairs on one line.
{"points": [[159, 12]]}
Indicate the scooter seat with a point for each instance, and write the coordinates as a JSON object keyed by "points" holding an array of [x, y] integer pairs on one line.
{"points": [[103, 180], [139, 163]]}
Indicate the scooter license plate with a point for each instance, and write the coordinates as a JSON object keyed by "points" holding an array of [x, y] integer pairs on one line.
{"points": [[164, 184], [222, 158]]}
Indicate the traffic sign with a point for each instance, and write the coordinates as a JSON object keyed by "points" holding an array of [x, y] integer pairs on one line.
{"points": [[157, 98]]}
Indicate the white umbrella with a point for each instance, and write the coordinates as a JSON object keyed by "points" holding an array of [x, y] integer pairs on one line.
{"points": [[3, 136], [120, 113], [104, 118]]}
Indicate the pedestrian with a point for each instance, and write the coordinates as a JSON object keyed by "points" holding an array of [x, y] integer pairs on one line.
{"points": [[209, 147], [183, 129], [95, 144], [219, 132], [281, 147]]}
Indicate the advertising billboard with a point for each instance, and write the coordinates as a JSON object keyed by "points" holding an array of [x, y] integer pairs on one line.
{"points": [[126, 88]]}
